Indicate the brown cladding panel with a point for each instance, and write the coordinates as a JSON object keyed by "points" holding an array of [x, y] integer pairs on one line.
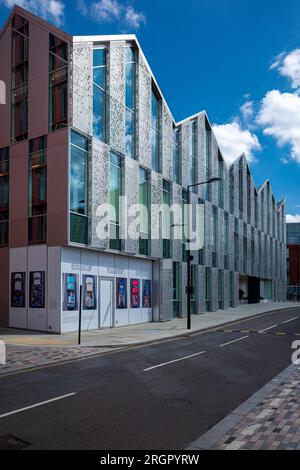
{"points": [[57, 181], [5, 66], [38, 86], [18, 195], [4, 286]]}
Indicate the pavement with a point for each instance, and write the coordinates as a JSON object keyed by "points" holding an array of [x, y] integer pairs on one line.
{"points": [[163, 395], [27, 349], [269, 420], [142, 333]]}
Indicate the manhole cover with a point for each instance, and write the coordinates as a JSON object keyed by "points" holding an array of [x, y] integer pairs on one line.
{"points": [[12, 443]]}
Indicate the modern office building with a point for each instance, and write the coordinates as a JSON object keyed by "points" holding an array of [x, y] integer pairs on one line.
{"points": [[293, 261], [84, 122]]}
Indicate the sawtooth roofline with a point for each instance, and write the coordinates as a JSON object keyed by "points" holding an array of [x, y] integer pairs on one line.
{"points": [[130, 38]]}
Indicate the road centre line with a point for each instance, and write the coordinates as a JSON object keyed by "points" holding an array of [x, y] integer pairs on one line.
{"points": [[267, 329], [234, 341], [291, 319], [175, 360], [21, 410]]}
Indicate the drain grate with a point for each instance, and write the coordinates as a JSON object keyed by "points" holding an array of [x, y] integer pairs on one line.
{"points": [[12, 443]]}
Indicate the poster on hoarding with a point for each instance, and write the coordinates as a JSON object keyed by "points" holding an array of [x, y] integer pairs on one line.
{"points": [[121, 293], [89, 289], [135, 293], [147, 294], [18, 290], [37, 289], [70, 292]]}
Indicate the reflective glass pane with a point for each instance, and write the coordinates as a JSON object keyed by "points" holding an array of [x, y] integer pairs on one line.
{"points": [[99, 57], [130, 86], [78, 176], [154, 109], [130, 54], [99, 76], [98, 113], [155, 149], [79, 140], [129, 134]]}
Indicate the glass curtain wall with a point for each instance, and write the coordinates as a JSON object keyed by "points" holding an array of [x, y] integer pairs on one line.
{"points": [[79, 188], [99, 93]]}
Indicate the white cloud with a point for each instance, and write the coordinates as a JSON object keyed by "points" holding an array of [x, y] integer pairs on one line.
{"points": [[292, 219], [288, 65], [279, 117], [234, 140], [134, 18], [52, 10], [107, 11], [247, 110]]}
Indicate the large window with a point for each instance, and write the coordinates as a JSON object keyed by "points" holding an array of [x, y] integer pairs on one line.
{"points": [[58, 83], [214, 242], [221, 183], [262, 209], [249, 193], [115, 192], [202, 251], [4, 196], [144, 199], [166, 222], [208, 290], [37, 191], [194, 278], [245, 249], [236, 246], [226, 240], [155, 132], [176, 290], [79, 188], [241, 188], [177, 156], [208, 159], [221, 288], [130, 70], [231, 190], [193, 160], [19, 79], [185, 221], [99, 95]]}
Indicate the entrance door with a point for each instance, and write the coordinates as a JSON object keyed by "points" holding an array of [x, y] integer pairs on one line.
{"points": [[106, 302]]}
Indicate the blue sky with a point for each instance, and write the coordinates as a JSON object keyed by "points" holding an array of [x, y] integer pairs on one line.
{"points": [[237, 59]]}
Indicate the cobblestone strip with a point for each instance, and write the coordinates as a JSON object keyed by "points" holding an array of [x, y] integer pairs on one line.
{"points": [[270, 419], [23, 357]]}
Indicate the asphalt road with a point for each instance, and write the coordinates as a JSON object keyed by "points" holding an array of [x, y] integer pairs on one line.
{"points": [[160, 396]]}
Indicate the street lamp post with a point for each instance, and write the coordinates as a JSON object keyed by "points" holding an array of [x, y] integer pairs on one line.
{"points": [[189, 289]]}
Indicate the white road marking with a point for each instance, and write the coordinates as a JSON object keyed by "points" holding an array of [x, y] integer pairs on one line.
{"points": [[175, 360], [291, 319], [36, 405], [234, 341], [267, 329]]}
